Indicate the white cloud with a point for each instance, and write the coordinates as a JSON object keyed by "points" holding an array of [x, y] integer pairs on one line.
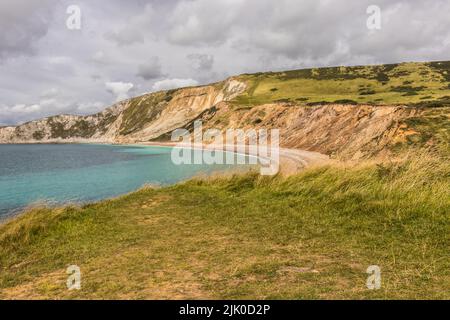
{"points": [[18, 112], [21, 108], [173, 84], [119, 89]]}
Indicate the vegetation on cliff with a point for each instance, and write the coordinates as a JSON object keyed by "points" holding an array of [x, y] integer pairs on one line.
{"points": [[411, 84]]}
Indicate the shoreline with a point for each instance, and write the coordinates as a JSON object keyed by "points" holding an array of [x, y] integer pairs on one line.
{"points": [[291, 160]]}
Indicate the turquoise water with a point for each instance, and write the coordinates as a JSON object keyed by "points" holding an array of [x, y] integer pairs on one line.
{"points": [[58, 174]]}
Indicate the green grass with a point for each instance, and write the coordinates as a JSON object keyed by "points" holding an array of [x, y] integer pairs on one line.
{"points": [[312, 235], [395, 84]]}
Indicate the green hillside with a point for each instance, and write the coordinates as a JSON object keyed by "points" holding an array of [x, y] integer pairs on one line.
{"points": [[419, 84]]}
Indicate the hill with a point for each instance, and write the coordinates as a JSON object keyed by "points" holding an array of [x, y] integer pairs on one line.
{"points": [[345, 112]]}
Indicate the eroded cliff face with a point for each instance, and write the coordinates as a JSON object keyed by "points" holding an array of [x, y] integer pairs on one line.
{"points": [[342, 131], [180, 107], [137, 119]]}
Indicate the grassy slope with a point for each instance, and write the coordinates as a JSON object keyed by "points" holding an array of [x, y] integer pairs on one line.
{"points": [[310, 236], [407, 83]]}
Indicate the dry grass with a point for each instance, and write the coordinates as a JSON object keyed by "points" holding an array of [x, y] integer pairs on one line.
{"points": [[311, 236]]}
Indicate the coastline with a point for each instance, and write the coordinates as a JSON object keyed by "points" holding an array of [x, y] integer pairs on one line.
{"points": [[291, 161]]}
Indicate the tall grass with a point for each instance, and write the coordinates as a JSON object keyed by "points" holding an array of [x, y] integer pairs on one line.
{"points": [[246, 236]]}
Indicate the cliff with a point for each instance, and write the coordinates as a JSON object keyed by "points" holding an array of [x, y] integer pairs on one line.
{"points": [[351, 113]]}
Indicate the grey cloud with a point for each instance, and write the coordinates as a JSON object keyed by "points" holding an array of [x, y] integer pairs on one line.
{"points": [[318, 31], [202, 62], [410, 31], [173, 84], [125, 36], [136, 28], [22, 23], [50, 93], [99, 57], [151, 69], [290, 28], [203, 21], [194, 39]]}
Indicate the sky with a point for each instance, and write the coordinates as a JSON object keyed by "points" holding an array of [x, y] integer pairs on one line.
{"points": [[80, 56]]}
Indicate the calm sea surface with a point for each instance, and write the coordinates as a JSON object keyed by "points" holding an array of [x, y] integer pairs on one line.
{"points": [[58, 174]]}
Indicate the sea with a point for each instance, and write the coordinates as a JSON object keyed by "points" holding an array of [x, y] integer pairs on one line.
{"points": [[59, 174]]}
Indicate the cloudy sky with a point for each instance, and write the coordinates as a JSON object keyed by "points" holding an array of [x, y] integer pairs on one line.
{"points": [[125, 48]]}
